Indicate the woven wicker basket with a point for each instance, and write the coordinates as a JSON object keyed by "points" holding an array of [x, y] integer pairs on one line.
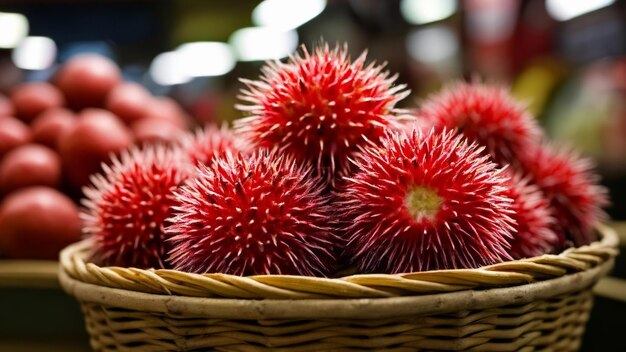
{"points": [[540, 303]]}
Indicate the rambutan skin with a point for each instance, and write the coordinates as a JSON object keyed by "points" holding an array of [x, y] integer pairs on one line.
{"points": [[572, 188], [485, 114], [534, 233], [126, 208], [209, 142], [252, 215], [425, 201], [319, 107]]}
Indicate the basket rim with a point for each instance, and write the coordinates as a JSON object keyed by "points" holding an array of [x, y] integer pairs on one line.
{"points": [[352, 308], [545, 268]]}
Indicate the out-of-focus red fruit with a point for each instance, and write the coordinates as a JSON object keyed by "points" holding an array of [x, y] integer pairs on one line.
{"points": [[6, 107], [572, 187], [485, 114], [96, 135], [533, 235], [31, 99], [129, 101], [50, 125], [164, 108], [86, 80], [36, 223], [29, 165], [151, 130], [210, 142], [13, 133], [205, 108]]}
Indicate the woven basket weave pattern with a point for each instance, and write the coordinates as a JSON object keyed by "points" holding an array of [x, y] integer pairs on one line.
{"points": [[537, 304], [549, 325]]}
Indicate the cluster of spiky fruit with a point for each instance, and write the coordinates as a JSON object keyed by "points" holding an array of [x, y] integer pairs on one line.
{"points": [[325, 170]]}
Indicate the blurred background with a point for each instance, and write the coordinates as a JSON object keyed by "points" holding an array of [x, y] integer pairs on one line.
{"points": [[564, 58]]}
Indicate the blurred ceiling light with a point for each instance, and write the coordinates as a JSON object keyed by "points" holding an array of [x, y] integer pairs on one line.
{"points": [[13, 28], [563, 10], [426, 11], [35, 53], [432, 45], [166, 69], [204, 59], [286, 14], [263, 43]]}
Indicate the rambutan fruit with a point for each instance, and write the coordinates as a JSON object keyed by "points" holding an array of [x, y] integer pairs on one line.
{"points": [[572, 188], [320, 107], [485, 114], [206, 143], [128, 205], [425, 201], [250, 215], [534, 233]]}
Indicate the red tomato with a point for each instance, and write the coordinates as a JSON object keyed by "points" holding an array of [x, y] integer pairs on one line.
{"points": [[87, 79], [36, 223], [13, 133], [31, 99], [51, 124], [154, 130], [167, 109], [129, 101], [94, 137], [6, 107], [29, 165]]}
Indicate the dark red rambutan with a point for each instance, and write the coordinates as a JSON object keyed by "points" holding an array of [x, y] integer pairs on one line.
{"points": [[261, 214], [320, 107], [534, 233], [206, 143], [572, 188], [425, 201], [127, 206], [485, 114]]}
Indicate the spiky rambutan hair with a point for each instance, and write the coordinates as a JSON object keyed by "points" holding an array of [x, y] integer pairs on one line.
{"points": [[485, 114], [209, 142], [320, 107], [534, 234], [126, 208], [425, 202], [261, 214], [572, 188]]}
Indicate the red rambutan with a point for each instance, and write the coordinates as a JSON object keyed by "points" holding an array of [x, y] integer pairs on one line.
{"points": [[320, 107], [261, 214], [209, 142], [572, 188], [485, 114], [425, 201], [129, 204], [534, 233]]}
